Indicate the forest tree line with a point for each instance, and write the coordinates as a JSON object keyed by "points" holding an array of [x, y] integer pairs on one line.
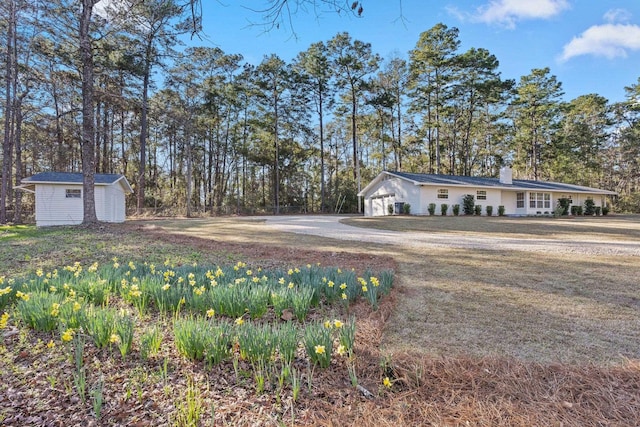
{"points": [[201, 131]]}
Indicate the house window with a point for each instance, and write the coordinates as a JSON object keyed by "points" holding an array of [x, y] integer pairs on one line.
{"points": [[540, 200], [519, 200], [443, 193], [481, 195], [73, 194]]}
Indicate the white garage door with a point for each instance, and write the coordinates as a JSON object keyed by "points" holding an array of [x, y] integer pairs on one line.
{"points": [[379, 204]]}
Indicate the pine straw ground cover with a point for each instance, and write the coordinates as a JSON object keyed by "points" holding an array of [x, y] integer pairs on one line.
{"points": [[37, 387]]}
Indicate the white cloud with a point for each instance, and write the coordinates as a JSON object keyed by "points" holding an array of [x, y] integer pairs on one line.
{"points": [[617, 15], [508, 12], [608, 40]]}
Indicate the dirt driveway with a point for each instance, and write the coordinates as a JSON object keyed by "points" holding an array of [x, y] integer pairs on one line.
{"points": [[330, 226]]}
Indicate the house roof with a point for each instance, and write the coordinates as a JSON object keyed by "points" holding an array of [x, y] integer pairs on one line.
{"points": [[481, 182], [73, 178]]}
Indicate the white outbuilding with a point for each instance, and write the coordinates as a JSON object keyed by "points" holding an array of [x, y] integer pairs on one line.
{"points": [[59, 197]]}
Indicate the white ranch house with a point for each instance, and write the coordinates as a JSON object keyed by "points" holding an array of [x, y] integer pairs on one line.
{"points": [[59, 197], [519, 197]]}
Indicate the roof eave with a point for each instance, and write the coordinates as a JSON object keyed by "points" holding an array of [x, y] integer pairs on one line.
{"points": [[125, 184], [519, 188], [26, 187]]}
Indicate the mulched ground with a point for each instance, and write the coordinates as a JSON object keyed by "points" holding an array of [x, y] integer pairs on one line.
{"points": [[36, 383]]}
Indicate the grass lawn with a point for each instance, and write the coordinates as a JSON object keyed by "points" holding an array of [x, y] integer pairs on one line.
{"points": [[466, 337], [620, 228]]}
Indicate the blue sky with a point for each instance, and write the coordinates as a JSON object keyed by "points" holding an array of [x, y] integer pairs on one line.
{"points": [[592, 46]]}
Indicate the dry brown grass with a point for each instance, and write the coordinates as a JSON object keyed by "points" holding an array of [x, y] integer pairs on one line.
{"points": [[619, 228]]}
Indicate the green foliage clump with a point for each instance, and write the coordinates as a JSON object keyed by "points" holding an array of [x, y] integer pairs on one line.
{"points": [[456, 209], [468, 202], [443, 209], [589, 207], [477, 209], [318, 342], [40, 310], [489, 209], [432, 209], [563, 206]]}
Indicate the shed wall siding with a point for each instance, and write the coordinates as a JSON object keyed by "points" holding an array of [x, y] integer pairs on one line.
{"points": [[114, 207], [54, 208]]}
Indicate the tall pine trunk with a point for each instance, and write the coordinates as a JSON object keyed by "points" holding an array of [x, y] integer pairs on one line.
{"points": [[7, 143]]}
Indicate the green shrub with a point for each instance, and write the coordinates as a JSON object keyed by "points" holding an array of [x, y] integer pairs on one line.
{"points": [[477, 210], [406, 209], [563, 206], [489, 210], [390, 208], [605, 210], [468, 203], [456, 209], [432, 209], [589, 207], [443, 209], [501, 210], [598, 210]]}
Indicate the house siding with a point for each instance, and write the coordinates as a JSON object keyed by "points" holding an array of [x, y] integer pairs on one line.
{"points": [[456, 197], [388, 189]]}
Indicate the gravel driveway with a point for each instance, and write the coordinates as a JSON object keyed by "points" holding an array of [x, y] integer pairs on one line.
{"points": [[330, 226]]}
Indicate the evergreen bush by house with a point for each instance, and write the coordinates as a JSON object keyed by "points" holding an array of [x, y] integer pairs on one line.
{"points": [[489, 210], [563, 206], [589, 207], [456, 209], [467, 204], [443, 209]]}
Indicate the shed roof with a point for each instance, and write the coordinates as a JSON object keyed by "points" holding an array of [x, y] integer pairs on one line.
{"points": [[482, 182], [74, 178]]}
